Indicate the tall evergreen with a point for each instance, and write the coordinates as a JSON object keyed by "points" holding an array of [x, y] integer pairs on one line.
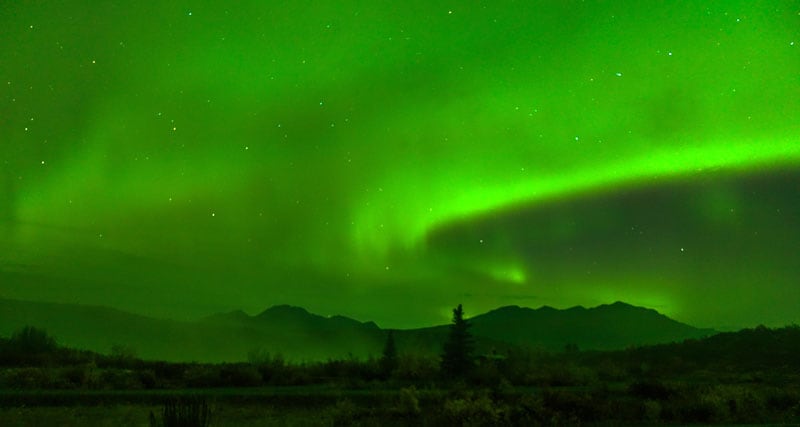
{"points": [[457, 356]]}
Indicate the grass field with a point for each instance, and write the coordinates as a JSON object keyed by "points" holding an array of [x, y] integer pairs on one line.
{"points": [[634, 404], [751, 377], [134, 415]]}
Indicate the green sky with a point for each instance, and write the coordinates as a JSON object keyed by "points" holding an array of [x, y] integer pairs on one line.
{"points": [[389, 160]]}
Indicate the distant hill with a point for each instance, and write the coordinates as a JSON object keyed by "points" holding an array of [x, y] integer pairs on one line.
{"points": [[746, 356], [294, 333], [290, 331], [96, 328], [297, 334], [605, 327]]}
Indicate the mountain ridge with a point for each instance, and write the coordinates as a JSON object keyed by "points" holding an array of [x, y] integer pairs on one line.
{"points": [[604, 327], [299, 334]]}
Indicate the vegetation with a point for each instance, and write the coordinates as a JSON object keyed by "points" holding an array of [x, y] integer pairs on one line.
{"points": [[744, 377], [388, 362], [30, 340], [457, 360], [191, 412]]}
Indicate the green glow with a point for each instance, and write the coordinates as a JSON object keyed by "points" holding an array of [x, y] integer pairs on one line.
{"points": [[323, 154], [446, 205], [508, 273]]}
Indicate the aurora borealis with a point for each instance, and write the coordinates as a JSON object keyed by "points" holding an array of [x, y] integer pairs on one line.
{"points": [[387, 161]]}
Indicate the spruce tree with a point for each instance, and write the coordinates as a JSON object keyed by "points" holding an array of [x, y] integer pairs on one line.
{"points": [[457, 356]]}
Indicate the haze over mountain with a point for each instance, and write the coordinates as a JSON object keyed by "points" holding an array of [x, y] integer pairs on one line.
{"points": [[297, 334]]}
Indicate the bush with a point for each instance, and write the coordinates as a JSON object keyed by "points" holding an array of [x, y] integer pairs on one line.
{"points": [[239, 376], [201, 376], [187, 412], [123, 356], [472, 410], [277, 372], [148, 378], [119, 379], [30, 340], [344, 413], [408, 401], [416, 369], [528, 410], [568, 405], [652, 410], [28, 346], [28, 378], [486, 373], [80, 376], [569, 375], [169, 372], [650, 390]]}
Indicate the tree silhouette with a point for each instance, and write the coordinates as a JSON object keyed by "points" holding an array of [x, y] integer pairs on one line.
{"points": [[30, 340], [388, 360], [457, 356]]}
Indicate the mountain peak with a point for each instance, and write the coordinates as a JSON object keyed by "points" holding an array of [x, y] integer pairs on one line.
{"points": [[282, 310], [620, 304], [505, 308]]}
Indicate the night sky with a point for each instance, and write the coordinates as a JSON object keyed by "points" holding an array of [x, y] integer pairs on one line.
{"points": [[389, 160]]}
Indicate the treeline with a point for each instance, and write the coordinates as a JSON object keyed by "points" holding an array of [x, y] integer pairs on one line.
{"points": [[759, 354], [33, 360], [748, 376]]}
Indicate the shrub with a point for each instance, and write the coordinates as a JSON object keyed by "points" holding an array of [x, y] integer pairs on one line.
{"points": [[28, 378], [80, 376], [239, 376], [119, 379], [201, 376], [652, 410], [567, 405], [416, 368], [408, 401], [30, 340], [148, 378], [343, 413], [187, 412], [123, 356], [527, 410], [651, 390], [475, 410], [486, 374]]}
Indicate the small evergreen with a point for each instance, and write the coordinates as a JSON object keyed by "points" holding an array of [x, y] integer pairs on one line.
{"points": [[388, 360]]}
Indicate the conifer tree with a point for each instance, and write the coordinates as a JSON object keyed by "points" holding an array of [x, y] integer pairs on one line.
{"points": [[388, 361], [457, 356]]}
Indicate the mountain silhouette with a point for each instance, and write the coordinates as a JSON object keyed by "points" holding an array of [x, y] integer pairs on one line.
{"points": [[296, 334], [605, 327]]}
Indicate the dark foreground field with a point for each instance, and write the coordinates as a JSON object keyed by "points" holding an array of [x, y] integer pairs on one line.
{"points": [[633, 404], [747, 377]]}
